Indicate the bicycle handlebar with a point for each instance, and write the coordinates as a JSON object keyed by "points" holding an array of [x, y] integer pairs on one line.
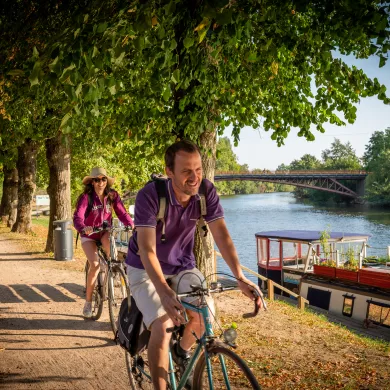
{"points": [[110, 229], [199, 291]]}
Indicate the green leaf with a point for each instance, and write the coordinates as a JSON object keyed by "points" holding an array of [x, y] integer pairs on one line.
{"points": [[382, 61], [252, 57], [176, 76], [16, 72], [166, 94], [76, 33], [173, 44], [95, 52], [55, 66], [65, 120], [35, 53], [101, 27], [202, 34], [188, 42], [79, 89], [35, 74]]}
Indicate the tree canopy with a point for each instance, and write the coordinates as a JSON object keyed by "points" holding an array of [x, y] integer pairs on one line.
{"points": [[156, 70]]}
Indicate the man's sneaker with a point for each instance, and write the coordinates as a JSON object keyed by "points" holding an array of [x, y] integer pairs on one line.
{"points": [[87, 311], [182, 360]]}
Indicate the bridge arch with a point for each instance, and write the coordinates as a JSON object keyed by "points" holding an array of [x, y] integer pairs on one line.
{"points": [[318, 180]]}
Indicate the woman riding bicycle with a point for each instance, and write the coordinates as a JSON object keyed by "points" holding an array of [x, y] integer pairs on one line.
{"points": [[93, 207]]}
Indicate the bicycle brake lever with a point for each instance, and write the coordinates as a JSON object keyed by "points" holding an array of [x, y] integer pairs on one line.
{"points": [[257, 308]]}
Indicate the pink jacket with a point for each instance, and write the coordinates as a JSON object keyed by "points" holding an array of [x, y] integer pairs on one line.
{"points": [[99, 213]]}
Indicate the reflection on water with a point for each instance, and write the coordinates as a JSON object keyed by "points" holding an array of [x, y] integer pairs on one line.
{"points": [[247, 214]]}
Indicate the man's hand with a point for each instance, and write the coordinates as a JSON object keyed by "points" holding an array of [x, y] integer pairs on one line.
{"points": [[248, 288], [172, 306]]}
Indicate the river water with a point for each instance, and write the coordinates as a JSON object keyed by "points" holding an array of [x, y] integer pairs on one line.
{"points": [[246, 215]]}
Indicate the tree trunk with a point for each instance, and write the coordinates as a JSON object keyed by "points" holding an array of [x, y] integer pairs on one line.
{"points": [[27, 166], [58, 160], [9, 200], [207, 266]]}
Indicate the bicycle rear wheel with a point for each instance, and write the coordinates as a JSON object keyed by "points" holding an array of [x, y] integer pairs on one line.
{"points": [[118, 289], [229, 371], [138, 371]]}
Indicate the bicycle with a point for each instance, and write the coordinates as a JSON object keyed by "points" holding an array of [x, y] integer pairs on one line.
{"points": [[215, 365], [111, 284]]}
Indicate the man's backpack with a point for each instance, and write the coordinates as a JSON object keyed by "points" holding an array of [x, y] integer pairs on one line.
{"points": [[132, 334], [160, 183]]}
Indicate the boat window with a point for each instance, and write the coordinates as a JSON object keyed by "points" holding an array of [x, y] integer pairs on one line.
{"points": [[349, 301], [275, 254], [262, 251], [379, 313]]}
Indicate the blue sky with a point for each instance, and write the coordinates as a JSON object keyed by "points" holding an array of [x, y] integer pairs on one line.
{"points": [[258, 150]]}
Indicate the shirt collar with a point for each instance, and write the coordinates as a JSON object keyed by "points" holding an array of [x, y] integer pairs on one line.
{"points": [[172, 197]]}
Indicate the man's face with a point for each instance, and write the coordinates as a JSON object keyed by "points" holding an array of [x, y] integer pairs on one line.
{"points": [[187, 173]]}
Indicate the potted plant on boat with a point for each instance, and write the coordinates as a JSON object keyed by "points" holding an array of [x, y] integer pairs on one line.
{"points": [[326, 267], [350, 268]]}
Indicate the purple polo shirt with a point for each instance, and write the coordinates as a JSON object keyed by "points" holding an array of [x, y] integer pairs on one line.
{"points": [[100, 212], [176, 253]]}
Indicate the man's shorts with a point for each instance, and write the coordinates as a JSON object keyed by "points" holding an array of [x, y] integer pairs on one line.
{"points": [[147, 299]]}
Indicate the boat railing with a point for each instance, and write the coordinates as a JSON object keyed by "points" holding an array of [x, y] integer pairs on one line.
{"points": [[301, 301]]}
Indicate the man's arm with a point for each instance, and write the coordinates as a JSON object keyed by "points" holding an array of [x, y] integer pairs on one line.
{"points": [[228, 251], [146, 239]]}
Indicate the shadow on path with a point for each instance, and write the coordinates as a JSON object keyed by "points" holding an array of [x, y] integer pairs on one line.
{"points": [[7, 295], [14, 323], [108, 342], [14, 378]]}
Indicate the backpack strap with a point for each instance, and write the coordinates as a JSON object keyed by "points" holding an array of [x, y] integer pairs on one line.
{"points": [[160, 185], [202, 224]]}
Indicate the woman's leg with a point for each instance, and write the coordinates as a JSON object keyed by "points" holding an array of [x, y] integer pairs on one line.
{"points": [[90, 250]]}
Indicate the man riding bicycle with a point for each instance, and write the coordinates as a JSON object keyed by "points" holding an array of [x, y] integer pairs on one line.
{"points": [[152, 261]]}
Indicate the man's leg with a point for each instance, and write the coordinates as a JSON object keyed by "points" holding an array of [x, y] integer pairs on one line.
{"points": [[158, 351], [156, 320]]}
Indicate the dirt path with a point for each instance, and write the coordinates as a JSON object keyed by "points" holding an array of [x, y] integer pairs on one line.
{"points": [[44, 341]]}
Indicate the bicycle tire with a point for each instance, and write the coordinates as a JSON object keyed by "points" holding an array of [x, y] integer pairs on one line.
{"points": [[97, 294], [137, 379], [239, 374], [118, 289]]}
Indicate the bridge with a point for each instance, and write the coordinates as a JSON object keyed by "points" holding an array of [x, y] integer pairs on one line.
{"points": [[318, 180]]}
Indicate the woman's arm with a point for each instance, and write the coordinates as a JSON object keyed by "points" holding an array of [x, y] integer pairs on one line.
{"points": [[121, 212], [79, 214]]}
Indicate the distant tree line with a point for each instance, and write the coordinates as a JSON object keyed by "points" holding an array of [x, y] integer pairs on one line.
{"points": [[340, 156]]}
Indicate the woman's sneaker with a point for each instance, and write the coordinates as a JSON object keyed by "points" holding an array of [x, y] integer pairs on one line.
{"points": [[87, 311]]}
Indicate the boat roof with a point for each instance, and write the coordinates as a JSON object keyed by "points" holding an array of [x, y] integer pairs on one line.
{"points": [[312, 235]]}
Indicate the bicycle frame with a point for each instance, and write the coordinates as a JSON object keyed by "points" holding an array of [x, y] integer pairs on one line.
{"points": [[204, 311], [107, 260]]}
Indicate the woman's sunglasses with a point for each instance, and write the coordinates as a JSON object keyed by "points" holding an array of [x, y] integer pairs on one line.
{"points": [[98, 179]]}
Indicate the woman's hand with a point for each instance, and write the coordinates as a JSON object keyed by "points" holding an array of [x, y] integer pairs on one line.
{"points": [[87, 230], [252, 291]]}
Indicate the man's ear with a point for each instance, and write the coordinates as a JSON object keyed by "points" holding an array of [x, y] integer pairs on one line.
{"points": [[168, 172]]}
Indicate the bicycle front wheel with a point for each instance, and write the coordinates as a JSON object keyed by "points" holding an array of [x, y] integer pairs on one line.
{"points": [[229, 371], [118, 290]]}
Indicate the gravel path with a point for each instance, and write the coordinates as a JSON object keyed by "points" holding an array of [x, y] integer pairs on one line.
{"points": [[44, 341]]}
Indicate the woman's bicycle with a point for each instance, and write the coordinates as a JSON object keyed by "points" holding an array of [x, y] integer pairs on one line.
{"points": [[214, 364], [111, 284]]}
